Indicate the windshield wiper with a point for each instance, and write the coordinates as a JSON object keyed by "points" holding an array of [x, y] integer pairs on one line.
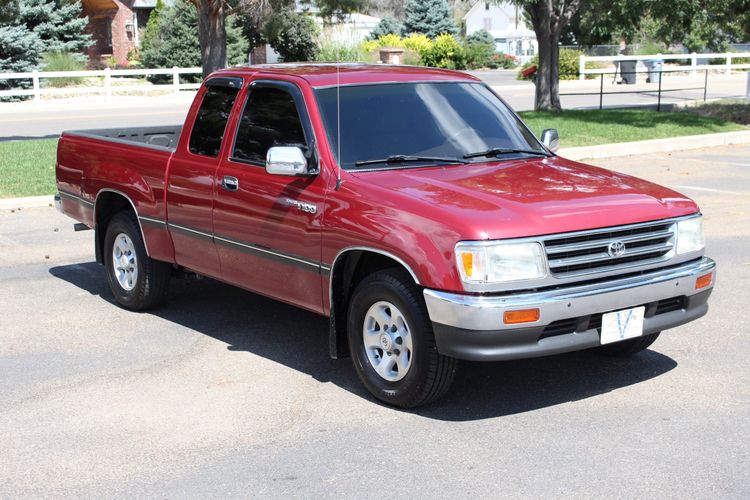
{"points": [[504, 151], [407, 159]]}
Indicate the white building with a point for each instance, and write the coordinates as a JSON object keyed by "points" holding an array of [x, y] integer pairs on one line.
{"points": [[506, 24]]}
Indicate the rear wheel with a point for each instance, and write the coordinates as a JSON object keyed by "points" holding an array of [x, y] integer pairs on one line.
{"points": [[627, 347], [137, 281], [392, 344]]}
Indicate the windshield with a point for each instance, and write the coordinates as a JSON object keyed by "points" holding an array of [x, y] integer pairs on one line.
{"points": [[441, 120]]}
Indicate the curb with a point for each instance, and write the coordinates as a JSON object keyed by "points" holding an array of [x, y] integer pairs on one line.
{"points": [[27, 202], [667, 145]]}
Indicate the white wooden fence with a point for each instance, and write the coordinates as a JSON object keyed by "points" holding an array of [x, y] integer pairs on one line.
{"points": [[727, 66], [106, 76]]}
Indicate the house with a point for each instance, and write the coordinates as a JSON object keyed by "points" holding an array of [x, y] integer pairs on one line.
{"points": [[507, 26], [116, 26]]}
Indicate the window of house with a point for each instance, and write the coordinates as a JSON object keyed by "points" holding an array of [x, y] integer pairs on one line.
{"points": [[107, 31], [487, 23], [211, 121], [270, 118]]}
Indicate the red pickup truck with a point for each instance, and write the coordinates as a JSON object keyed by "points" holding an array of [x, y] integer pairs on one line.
{"points": [[412, 206]]}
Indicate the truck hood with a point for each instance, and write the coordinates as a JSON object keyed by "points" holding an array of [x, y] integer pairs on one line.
{"points": [[528, 197]]}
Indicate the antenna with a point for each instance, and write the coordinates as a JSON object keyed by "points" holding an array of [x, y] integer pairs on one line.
{"points": [[338, 122]]}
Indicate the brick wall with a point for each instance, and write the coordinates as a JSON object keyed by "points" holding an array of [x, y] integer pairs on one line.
{"points": [[122, 39]]}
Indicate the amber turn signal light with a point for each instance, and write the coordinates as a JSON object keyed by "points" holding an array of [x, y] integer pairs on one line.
{"points": [[522, 316], [703, 281]]}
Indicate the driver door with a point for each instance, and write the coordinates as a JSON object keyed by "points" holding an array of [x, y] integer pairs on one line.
{"points": [[267, 227]]}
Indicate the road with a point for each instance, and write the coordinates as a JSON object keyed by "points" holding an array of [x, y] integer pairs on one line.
{"points": [[221, 393], [50, 117]]}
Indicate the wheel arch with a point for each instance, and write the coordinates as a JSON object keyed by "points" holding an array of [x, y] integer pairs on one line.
{"points": [[349, 267], [108, 203]]}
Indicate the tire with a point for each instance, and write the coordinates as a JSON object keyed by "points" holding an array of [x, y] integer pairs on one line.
{"points": [[627, 347], [138, 282], [419, 374]]}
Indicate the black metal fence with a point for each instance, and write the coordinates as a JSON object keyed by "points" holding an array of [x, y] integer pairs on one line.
{"points": [[659, 90]]}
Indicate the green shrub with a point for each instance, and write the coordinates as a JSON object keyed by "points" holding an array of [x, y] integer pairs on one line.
{"points": [[480, 49], [331, 50], [411, 58], [292, 35], [504, 61], [418, 42], [481, 37], [390, 40], [741, 60], [568, 65], [446, 52], [649, 48], [62, 61]]}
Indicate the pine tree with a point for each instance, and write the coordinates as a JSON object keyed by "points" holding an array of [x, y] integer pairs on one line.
{"points": [[58, 25], [387, 26], [20, 51], [431, 17], [8, 10]]}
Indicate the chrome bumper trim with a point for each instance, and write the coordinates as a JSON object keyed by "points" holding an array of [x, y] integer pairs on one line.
{"points": [[485, 313]]}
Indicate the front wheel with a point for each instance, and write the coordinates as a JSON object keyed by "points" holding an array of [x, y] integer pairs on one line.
{"points": [[627, 347], [392, 344], [137, 281]]}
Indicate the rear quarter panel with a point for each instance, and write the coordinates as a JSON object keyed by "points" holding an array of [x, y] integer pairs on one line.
{"points": [[88, 167]]}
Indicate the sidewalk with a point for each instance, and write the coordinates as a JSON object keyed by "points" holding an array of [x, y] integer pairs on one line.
{"points": [[97, 102]]}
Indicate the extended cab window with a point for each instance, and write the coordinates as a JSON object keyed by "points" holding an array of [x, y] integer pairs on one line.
{"points": [[208, 130], [270, 118]]}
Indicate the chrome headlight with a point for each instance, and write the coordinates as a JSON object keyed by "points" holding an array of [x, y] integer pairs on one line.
{"points": [[690, 235], [490, 262]]}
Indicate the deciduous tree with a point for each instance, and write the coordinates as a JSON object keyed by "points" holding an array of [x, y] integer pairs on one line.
{"points": [[171, 38]]}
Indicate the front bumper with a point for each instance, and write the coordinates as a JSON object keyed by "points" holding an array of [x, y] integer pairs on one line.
{"points": [[471, 326]]}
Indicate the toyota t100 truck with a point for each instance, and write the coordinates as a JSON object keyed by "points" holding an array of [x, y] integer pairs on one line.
{"points": [[409, 205]]}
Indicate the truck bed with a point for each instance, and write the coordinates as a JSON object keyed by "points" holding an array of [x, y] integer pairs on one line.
{"points": [[160, 137]]}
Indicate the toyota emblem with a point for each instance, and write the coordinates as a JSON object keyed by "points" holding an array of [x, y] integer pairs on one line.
{"points": [[616, 248]]}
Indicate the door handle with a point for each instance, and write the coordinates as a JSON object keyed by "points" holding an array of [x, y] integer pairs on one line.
{"points": [[229, 183]]}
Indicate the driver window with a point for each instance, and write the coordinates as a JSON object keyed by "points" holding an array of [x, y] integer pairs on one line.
{"points": [[269, 119]]}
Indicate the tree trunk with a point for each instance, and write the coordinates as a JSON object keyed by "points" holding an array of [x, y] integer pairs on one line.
{"points": [[543, 96], [547, 96], [554, 74], [549, 18], [212, 34]]}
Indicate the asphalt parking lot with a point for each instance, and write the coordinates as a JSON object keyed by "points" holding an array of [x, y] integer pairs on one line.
{"points": [[222, 393]]}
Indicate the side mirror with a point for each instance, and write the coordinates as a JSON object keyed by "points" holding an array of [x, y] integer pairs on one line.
{"points": [[286, 160], [551, 139]]}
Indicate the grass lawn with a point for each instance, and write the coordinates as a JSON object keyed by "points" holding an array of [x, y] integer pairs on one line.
{"points": [[590, 127], [27, 168]]}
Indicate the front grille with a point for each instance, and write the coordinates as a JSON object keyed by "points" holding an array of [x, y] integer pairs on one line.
{"points": [[587, 252]]}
